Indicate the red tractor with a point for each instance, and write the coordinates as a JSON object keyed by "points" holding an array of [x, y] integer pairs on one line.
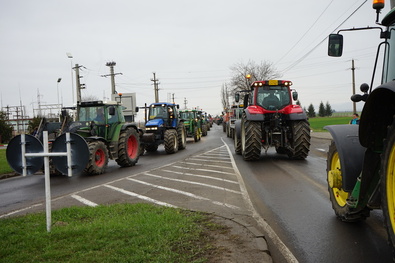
{"points": [[270, 119]]}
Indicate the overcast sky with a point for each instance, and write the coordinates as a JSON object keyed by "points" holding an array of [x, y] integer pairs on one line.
{"points": [[191, 46]]}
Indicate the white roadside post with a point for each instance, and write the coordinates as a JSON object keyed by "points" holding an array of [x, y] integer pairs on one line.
{"points": [[46, 154]]}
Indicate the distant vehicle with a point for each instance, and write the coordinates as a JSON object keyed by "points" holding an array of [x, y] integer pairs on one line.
{"points": [[192, 124], [270, 119], [164, 127]]}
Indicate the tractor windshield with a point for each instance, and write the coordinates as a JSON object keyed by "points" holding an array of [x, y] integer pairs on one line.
{"points": [[273, 97], [92, 114], [157, 112]]}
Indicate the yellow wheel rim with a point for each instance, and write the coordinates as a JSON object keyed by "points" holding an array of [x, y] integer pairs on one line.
{"points": [[335, 169], [390, 186]]}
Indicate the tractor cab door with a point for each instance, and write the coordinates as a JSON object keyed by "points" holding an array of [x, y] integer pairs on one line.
{"points": [[113, 119]]}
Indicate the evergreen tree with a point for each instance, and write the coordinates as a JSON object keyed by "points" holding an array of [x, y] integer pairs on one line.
{"points": [[328, 109], [321, 110], [5, 128], [311, 111]]}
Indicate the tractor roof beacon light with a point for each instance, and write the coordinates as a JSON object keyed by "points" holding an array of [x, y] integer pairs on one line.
{"points": [[378, 5]]}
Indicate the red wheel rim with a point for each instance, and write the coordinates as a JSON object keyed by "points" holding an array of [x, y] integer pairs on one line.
{"points": [[100, 158], [132, 147]]}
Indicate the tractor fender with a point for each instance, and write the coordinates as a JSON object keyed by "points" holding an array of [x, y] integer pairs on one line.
{"points": [[130, 125], [254, 117], [377, 115], [351, 152], [237, 131], [297, 116]]}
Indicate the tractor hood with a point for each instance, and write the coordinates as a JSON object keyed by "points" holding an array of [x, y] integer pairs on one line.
{"points": [[155, 122]]}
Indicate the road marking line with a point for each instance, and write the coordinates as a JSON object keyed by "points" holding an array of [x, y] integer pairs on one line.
{"points": [[203, 170], [208, 159], [140, 196], [202, 176], [208, 165], [185, 193], [20, 210], [321, 150], [84, 201], [284, 250], [216, 156], [189, 182]]}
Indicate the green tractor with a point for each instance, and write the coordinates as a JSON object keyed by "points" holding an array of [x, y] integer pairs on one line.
{"points": [[204, 124], [103, 126], [192, 124], [361, 158]]}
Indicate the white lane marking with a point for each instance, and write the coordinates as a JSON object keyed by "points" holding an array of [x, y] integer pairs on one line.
{"points": [[185, 193], [146, 198], [203, 170], [84, 201], [20, 210], [210, 156], [202, 176], [208, 160], [321, 150], [189, 182], [284, 250], [208, 165]]}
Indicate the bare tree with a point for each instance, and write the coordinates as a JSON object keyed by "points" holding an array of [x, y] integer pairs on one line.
{"points": [[263, 71], [225, 96]]}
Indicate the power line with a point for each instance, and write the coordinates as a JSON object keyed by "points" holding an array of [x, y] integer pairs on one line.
{"points": [[316, 46], [308, 30]]}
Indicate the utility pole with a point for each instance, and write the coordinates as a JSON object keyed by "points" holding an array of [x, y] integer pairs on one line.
{"points": [[185, 103], [156, 88], [353, 86], [172, 98], [79, 85], [112, 75]]}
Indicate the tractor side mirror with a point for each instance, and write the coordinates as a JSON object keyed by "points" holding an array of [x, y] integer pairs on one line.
{"points": [[111, 111], [178, 106], [245, 102], [335, 45], [295, 95], [364, 87], [237, 97], [137, 109]]}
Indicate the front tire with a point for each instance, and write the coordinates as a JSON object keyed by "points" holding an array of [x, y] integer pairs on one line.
{"points": [[98, 158], [337, 195], [171, 141], [128, 148], [197, 134], [387, 186], [182, 136]]}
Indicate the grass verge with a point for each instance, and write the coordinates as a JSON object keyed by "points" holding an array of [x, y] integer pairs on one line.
{"points": [[4, 167], [317, 124], [115, 233]]}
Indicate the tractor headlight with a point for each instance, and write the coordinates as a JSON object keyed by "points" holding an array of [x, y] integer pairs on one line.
{"points": [[151, 128]]}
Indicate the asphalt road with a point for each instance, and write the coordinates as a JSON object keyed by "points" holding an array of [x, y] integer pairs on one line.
{"points": [[286, 199]]}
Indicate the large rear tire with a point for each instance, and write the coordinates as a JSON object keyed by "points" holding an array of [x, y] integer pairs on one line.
{"points": [[98, 158], [128, 148], [387, 175], [251, 140], [171, 141], [300, 140], [237, 144], [337, 195]]}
